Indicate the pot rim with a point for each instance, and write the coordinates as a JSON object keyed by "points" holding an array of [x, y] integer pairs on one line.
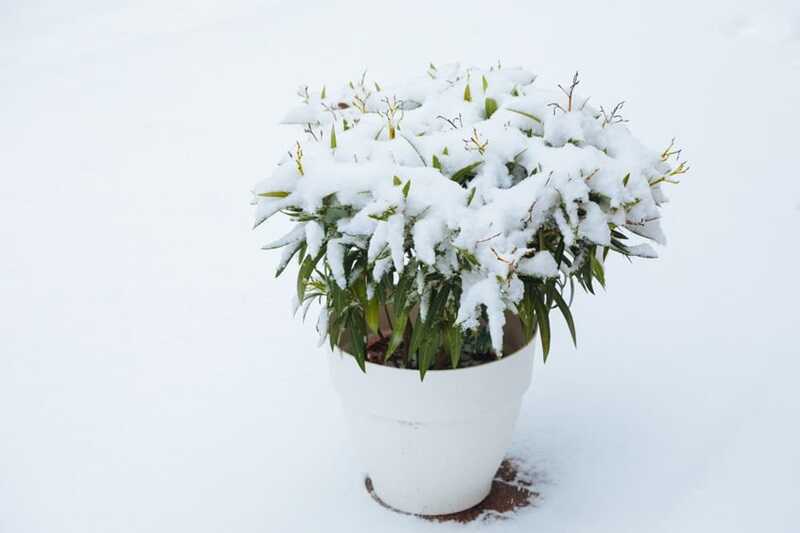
{"points": [[500, 359], [523, 346]]}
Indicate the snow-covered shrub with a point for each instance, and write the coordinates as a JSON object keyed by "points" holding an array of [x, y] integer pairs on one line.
{"points": [[463, 193]]}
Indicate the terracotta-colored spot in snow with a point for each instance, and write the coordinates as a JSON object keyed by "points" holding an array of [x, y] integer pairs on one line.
{"points": [[512, 489]]}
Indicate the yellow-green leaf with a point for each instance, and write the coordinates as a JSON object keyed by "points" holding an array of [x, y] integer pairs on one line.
{"points": [[490, 106], [525, 114], [372, 314]]}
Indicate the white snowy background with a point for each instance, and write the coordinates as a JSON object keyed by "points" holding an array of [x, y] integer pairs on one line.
{"points": [[153, 379]]}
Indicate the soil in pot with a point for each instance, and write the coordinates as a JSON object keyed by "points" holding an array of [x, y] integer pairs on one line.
{"points": [[475, 352]]}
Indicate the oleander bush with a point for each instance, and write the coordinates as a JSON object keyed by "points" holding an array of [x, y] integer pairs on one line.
{"points": [[427, 210]]}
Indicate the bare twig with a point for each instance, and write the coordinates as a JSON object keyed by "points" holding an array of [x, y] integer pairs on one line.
{"points": [[474, 143], [613, 116], [489, 238], [570, 92]]}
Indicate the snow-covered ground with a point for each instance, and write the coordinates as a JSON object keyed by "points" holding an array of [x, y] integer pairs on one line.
{"points": [[152, 377]]}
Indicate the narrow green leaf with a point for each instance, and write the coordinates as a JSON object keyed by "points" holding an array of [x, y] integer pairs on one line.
{"points": [[431, 345], [436, 163], [525, 114], [490, 106], [396, 180], [445, 151], [322, 94], [281, 267], [372, 314], [467, 93], [417, 334], [562, 305], [274, 194], [598, 271], [484, 83], [333, 136], [585, 274], [468, 171], [626, 178], [455, 341], [406, 188], [543, 320], [470, 196], [304, 272], [399, 322], [357, 340]]}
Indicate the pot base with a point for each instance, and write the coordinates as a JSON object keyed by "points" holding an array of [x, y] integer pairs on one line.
{"points": [[512, 489]]}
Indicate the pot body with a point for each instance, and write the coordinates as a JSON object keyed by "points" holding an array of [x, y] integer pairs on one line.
{"points": [[432, 447]]}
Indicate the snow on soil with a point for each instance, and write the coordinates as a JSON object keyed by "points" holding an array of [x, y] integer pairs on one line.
{"points": [[152, 378]]}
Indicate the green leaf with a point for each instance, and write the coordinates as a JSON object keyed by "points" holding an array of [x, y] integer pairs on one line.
{"points": [[431, 345], [514, 91], [562, 305], [490, 106], [626, 178], [372, 314], [274, 194], [305, 271], [406, 188], [333, 136], [467, 93], [357, 340], [445, 151], [543, 321], [417, 334], [597, 270], [322, 94], [585, 274], [524, 114], [454, 340], [468, 171], [484, 83], [399, 322], [470, 196], [436, 163], [281, 267], [396, 180], [383, 217]]}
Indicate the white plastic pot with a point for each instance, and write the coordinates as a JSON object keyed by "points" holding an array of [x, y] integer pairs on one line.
{"points": [[432, 447]]}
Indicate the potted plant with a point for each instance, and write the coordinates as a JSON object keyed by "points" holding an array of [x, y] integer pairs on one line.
{"points": [[438, 224]]}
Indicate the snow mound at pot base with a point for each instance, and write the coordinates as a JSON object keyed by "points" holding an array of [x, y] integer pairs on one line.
{"points": [[512, 490]]}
